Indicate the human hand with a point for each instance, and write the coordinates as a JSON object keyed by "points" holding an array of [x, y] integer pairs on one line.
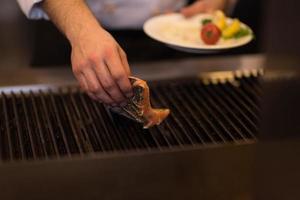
{"points": [[203, 6], [101, 67]]}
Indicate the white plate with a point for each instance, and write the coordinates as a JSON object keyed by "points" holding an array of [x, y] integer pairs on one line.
{"points": [[184, 34]]}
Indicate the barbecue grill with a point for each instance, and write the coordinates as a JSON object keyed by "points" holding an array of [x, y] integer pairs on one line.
{"points": [[57, 143]]}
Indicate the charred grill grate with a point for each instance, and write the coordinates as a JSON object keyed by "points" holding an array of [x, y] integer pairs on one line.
{"points": [[48, 124]]}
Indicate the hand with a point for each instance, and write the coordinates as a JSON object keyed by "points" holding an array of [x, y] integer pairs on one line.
{"points": [[203, 6], [98, 62], [101, 67]]}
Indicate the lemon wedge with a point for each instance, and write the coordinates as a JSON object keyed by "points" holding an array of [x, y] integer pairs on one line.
{"points": [[220, 20], [232, 29]]}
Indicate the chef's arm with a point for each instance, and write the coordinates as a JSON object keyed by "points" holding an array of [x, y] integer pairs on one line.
{"points": [[72, 17], [98, 62]]}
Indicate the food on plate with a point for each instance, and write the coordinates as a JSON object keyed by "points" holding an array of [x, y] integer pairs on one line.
{"points": [[221, 27], [242, 32], [139, 107], [220, 20], [210, 33], [232, 29]]}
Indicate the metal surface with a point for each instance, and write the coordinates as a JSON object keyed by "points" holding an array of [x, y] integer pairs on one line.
{"points": [[63, 122], [223, 173], [56, 143], [277, 171], [15, 74]]}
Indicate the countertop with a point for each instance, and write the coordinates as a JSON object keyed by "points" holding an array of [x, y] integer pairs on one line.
{"points": [[16, 74]]}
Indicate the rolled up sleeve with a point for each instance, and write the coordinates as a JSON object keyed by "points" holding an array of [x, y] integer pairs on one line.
{"points": [[32, 9]]}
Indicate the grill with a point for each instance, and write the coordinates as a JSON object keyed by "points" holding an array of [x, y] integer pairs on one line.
{"points": [[59, 122]]}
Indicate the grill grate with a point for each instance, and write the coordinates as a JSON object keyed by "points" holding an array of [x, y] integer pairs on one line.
{"points": [[48, 124]]}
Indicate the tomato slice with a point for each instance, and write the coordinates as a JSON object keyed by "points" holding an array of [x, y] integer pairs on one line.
{"points": [[210, 34]]}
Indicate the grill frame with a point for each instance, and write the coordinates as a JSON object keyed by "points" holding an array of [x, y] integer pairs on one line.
{"points": [[175, 174], [193, 172], [210, 79]]}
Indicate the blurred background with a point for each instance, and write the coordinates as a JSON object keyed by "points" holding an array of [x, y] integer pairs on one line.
{"points": [[14, 36], [38, 51], [34, 52]]}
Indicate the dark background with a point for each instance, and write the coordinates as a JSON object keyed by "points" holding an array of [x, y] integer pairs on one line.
{"points": [[49, 46]]}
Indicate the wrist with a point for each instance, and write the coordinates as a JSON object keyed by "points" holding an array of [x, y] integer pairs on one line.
{"points": [[73, 18], [78, 33]]}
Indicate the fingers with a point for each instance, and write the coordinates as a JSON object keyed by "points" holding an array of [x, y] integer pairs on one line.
{"points": [[124, 61], [195, 8], [82, 81], [83, 85], [105, 78], [95, 89], [108, 84], [94, 97], [119, 71], [102, 69]]}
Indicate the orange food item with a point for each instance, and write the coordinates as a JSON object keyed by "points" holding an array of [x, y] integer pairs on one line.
{"points": [[139, 107]]}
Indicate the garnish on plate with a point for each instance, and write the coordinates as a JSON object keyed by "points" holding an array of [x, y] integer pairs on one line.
{"points": [[220, 26]]}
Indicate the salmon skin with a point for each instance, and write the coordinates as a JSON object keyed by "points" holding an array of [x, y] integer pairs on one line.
{"points": [[139, 107]]}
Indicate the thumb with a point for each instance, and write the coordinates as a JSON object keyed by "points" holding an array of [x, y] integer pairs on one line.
{"points": [[195, 8]]}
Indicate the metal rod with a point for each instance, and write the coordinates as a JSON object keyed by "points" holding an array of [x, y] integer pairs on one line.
{"points": [[18, 126], [174, 132], [184, 96], [153, 133], [98, 122], [219, 99], [188, 119], [84, 144], [254, 83], [41, 132], [107, 122], [59, 123], [93, 134], [126, 133], [198, 105], [201, 101], [29, 131], [6, 119], [109, 131], [45, 114], [239, 108], [235, 95], [120, 132], [174, 101], [220, 109], [141, 136]]}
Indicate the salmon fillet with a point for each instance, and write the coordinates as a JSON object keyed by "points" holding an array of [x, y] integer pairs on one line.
{"points": [[139, 107]]}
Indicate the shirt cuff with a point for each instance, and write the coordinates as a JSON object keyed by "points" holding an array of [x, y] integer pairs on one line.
{"points": [[32, 9]]}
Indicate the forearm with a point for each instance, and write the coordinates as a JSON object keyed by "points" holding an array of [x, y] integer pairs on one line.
{"points": [[72, 17], [98, 62]]}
